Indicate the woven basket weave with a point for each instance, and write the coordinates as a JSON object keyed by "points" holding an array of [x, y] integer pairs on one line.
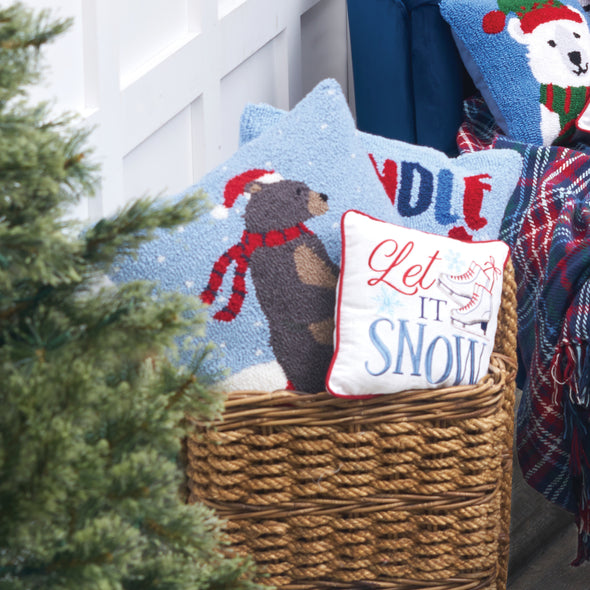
{"points": [[404, 491]]}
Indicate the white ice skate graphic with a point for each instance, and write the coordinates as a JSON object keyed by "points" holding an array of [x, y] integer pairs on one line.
{"points": [[478, 310], [460, 287], [472, 290]]}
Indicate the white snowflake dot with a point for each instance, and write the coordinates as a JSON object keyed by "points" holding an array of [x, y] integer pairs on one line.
{"points": [[222, 345], [257, 324], [189, 284], [331, 92], [268, 164], [324, 126], [353, 155], [180, 229], [161, 259], [225, 239], [219, 212], [310, 163], [258, 352]]}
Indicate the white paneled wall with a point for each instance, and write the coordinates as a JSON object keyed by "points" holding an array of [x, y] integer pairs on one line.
{"points": [[163, 82]]}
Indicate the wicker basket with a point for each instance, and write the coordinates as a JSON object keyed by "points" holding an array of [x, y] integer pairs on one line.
{"points": [[403, 492]]}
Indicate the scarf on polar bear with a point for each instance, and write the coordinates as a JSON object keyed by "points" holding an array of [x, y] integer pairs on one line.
{"points": [[567, 103]]}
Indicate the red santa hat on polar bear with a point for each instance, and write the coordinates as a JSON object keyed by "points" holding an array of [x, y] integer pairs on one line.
{"points": [[531, 13]]}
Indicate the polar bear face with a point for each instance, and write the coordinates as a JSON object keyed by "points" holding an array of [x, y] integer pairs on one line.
{"points": [[558, 51]]}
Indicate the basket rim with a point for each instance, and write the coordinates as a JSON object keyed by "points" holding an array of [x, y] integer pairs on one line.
{"points": [[284, 407]]}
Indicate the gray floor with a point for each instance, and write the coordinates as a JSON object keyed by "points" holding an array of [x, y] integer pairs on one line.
{"points": [[543, 543], [549, 568]]}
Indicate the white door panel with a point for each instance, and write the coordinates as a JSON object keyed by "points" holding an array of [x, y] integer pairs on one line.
{"points": [[148, 31], [163, 160], [262, 77], [163, 82]]}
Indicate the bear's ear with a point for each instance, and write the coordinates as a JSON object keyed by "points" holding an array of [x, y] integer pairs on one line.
{"points": [[253, 187], [515, 30]]}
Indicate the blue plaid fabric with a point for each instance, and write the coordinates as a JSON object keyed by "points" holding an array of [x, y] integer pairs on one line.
{"points": [[547, 226]]}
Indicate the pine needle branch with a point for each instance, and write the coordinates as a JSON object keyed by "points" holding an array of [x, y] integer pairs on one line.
{"points": [[137, 223]]}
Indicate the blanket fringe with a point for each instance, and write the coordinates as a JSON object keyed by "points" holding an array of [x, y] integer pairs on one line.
{"points": [[576, 433], [584, 369], [563, 371], [583, 541], [570, 369]]}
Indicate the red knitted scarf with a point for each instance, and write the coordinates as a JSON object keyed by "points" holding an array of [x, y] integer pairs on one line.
{"points": [[240, 253]]}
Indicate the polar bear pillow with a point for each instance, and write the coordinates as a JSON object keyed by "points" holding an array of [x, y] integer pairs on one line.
{"points": [[414, 310], [531, 61]]}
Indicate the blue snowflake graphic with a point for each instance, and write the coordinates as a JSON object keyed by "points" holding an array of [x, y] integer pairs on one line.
{"points": [[386, 300], [455, 262]]}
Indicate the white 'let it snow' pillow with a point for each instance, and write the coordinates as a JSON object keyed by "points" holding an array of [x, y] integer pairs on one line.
{"points": [[414, 310]]}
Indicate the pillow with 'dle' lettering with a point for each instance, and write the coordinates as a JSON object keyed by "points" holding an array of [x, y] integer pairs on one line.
{"points": [[463, 197], [414, 310], [530, 59]]}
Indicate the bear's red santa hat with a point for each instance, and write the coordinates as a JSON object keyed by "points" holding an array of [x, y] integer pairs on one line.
{"points": [[237, 186], [531, 13]]}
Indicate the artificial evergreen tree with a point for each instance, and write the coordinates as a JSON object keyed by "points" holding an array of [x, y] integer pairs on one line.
{"points": [[91, 399]]}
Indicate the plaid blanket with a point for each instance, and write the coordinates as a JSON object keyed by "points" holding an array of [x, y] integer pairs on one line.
{"points": [[547, 225]]}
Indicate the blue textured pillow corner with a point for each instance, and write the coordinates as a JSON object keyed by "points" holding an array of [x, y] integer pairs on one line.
{"points": [[530, 59]]}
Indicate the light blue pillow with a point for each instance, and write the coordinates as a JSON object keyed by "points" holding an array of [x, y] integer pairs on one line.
{"points": [[463, 197], [530, 59], [266, 257]]}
